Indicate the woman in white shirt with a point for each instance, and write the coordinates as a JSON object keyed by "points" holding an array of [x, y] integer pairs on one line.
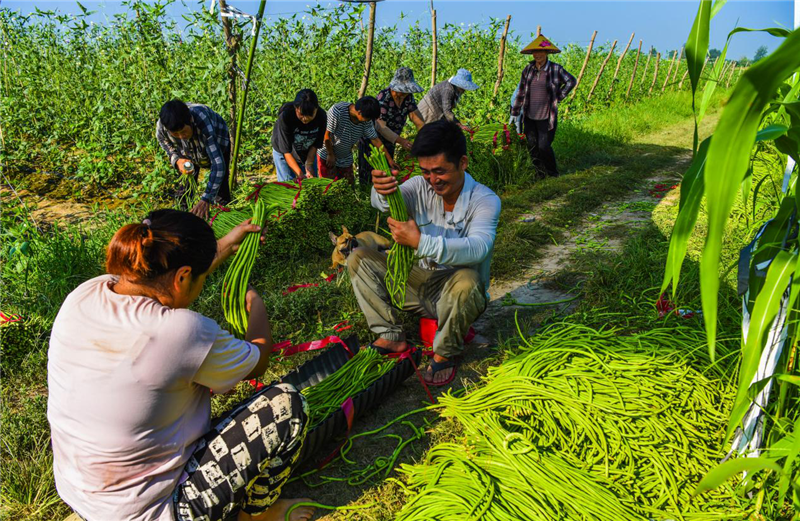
{"points": [[129, 373]]}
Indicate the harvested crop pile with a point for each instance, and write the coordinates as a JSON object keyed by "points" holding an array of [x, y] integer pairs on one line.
{"points": [[583, 424]]}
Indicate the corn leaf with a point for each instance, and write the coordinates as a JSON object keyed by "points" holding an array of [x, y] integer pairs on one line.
{"points": [[729, 157], [692, 188], [718, 4], [794, 451], [696, 50], [722, 473], [767, 304]]}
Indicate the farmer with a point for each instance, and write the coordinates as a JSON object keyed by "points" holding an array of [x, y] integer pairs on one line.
{"points": [[397, 105], [195, 136], [296, 136], [440, 101], [542, 86], [130, 372], [452, 226], [347, 124]]}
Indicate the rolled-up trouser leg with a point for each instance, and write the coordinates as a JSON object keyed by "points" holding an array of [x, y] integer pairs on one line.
{"points": [[461, 301]]}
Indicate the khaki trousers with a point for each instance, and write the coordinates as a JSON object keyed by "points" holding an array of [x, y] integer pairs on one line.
{"points": [[454, 297]]}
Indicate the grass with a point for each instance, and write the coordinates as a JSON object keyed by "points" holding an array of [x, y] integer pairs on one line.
{"points": [[602, 155]]}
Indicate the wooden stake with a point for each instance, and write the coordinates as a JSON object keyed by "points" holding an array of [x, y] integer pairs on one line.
{"points": [[500, 59], [585, 63], [633, 74], [646, 65], [538, 30], [677, 66], [730, 76], [685, 74], [655, 75], [232, 42], [600, 73], [669, 71], [619, 63], [433, 58], [368, 57]]}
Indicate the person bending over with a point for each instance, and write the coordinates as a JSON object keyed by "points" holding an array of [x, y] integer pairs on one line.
{"points": [[194, 136], [296, 136], [130, 370], [452, 226]]}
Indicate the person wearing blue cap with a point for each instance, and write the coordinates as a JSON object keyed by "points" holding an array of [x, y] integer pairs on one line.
{"points": [[440, 101]]}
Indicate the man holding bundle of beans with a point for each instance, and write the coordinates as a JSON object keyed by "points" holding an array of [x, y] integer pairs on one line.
{"points": [[452, 226]]}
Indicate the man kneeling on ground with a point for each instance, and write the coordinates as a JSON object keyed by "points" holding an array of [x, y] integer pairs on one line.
{"points": [[452, 225]]}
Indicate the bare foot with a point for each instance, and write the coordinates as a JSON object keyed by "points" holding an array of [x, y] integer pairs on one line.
{"points": [[391, 345], [277, 512], [440, 376]]}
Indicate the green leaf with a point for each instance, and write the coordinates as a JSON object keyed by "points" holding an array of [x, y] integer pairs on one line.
{"points": [[783, 486], [696, 50], [722, 473], [692, 188], [718, 4], [771, 132], [729, 157], [767, 304]]}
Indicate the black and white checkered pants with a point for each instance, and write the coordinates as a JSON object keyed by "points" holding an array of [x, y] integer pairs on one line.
{"points": [[246, 458]]}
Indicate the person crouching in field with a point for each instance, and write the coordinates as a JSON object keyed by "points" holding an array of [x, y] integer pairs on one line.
{"points": [[298, 134], [195, 136], [452, 226], [542, 86], [397, 105], [130, 370], [443, 97], [347, 124]]}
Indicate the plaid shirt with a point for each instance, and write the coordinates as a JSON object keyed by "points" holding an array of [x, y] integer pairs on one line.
{"points": [[559, 84], [209, 145]]}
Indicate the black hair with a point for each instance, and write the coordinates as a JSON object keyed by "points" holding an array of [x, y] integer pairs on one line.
{"points": [[175, 115], [441, 137], [306, 100], [369, 107], [163, 242]]}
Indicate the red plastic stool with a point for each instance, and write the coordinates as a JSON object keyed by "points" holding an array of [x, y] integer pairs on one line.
{"points": [[428, 328]]}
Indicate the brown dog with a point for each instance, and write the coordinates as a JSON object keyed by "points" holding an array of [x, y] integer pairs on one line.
{"points": [[345, 243]]}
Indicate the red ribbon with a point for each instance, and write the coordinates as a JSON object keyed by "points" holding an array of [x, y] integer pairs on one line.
{"points": [[292, 289], [407, 355], [220, 209], [8, 318], [349, 411], [508, 136], [254, 194]]}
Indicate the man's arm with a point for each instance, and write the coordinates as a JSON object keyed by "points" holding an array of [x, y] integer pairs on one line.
{"points": [[469, 250], [385, 131], [408, 190], [216, 159], [416, 118], [448, 102], [166, 144]]}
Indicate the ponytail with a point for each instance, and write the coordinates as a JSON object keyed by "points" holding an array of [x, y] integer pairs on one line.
{"points": [[165, 241]]}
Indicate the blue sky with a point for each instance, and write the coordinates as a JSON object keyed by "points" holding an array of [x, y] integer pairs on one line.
{"points": [[663, 24]]}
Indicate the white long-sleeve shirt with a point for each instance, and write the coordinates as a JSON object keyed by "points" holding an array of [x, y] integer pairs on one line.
{"points": [[461, 238]]}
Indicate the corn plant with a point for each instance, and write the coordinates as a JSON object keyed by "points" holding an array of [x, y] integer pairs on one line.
{"points": [[763, 112]]}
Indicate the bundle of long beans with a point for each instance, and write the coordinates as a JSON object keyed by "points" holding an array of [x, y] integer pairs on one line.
{"points": [[354, 376], [400, 258], [234, 284], [223, 220], [189, 185], [583, 424]]}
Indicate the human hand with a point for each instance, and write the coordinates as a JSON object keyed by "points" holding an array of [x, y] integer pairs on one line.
{"points": [[181, 165], [384, 184], [331, 161], [405, 233], [403, 142], [252, 297], [201, 209], [235, 237]]}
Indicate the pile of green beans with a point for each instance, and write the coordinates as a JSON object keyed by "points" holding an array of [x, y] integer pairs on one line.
{"points": [[225, 220], [234, 284], [400, 259], [189, 184], [354, 376], [583, 424]]}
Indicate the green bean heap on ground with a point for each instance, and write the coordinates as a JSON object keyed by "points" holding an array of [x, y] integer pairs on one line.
{"points": [[583, 424], [354, 376], [400, 259], [237, 278]]}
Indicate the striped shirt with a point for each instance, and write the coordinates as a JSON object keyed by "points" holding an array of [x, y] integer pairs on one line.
{"points": [[209, 145], [559, 84], [345, 134]]}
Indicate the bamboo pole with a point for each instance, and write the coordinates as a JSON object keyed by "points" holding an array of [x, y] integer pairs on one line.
{"points": [[677, 66], [585, 64], [669, 71], [232, 42], [538, 30], [633, 74], [646, 65], [600, 73], [500, 59], [730, 76], [240, 118], [619, 63], [368, 57], [434, 51], [655, 75], [685, 74]]}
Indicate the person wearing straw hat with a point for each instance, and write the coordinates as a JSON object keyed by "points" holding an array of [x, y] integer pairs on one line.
{"points": [[440, 101], [542, 86], [397, 104]]}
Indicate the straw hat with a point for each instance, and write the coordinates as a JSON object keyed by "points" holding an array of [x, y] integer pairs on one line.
{"points": [[403, 81], [541, 44], [463, 79]]}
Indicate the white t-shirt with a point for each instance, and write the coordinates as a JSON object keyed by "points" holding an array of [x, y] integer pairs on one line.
{"points": [[129, 397]]}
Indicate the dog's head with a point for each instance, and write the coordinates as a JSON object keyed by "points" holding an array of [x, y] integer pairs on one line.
{"points": [[344, 243]]}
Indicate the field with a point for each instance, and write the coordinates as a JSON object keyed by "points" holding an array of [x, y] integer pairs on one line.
{"points": [[77, 166]]}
